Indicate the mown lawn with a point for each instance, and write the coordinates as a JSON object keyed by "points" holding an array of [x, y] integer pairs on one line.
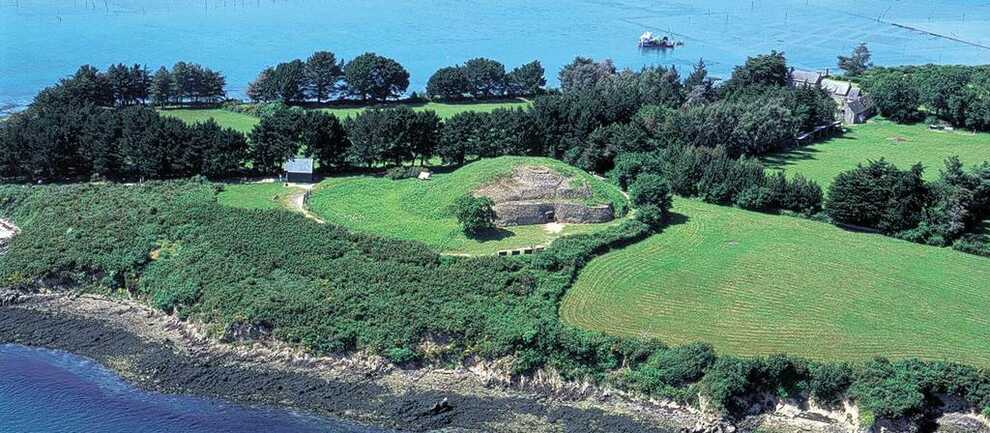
{"points": [[756, 284], [903, 145], [418, 210], [228, 119], [244, 122]]}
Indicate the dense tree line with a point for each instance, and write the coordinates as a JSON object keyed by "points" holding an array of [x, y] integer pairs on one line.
{"points": [[901, 203], [486, 78], [322, 78], [959, 95], [87, 125]]}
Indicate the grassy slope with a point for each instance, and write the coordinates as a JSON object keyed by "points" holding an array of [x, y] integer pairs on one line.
{"points": [[904, 145], [755, 284], [417, 210], [244, 122]]}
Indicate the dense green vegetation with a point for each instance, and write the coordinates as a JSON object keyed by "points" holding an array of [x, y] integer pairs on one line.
{"points": [[902, 145], [322, 288], [420, 210], [956, 94], [756, 284]]}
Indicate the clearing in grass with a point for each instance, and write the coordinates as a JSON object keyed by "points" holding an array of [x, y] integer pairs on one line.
{"points": [[902, 145], [227, 119], [262, 195], [419, 210], [758, 284]]}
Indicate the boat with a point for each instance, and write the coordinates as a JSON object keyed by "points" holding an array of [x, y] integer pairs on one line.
{"points": [[648, 40]]}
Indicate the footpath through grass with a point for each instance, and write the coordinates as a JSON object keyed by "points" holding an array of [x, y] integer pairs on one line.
{"points": [[903, 145], [756, 284], [418, 210], [245, 122]]}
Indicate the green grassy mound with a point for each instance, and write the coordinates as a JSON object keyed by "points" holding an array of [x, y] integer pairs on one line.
{"points": [[757, 284], [903, 145], [419, 210]]}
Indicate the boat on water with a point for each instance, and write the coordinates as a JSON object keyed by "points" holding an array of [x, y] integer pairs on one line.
{"points": [[649, 40]]}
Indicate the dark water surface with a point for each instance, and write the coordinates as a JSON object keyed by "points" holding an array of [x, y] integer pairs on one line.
{"points": [[47, 391], [42, 40]]}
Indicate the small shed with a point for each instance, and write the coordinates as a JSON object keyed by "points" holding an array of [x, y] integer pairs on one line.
{"points": [[299, 170]]}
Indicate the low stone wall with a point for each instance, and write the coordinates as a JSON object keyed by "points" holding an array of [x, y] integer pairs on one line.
{"points": [[518, 213]]}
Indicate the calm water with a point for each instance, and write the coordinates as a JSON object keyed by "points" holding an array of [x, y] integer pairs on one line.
{"points": [[46, 391], [42, 40]]}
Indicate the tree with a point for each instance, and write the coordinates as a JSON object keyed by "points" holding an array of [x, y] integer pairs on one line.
{"points": [[896, 98], [263, 88], [584, 73], [485, 77], [385, 135], [698, 75], [856, 63], [290, 81], [370, 76], [651, 190], [476, 215], [879, 196], [526, 80], [323, 137], [762, 70], [448, 83], [276, 139], [162, 87], [458, 137], [323, 73]]}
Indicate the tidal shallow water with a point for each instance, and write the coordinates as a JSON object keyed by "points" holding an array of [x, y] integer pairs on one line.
{"points": [[43, 40], [47, 391]]}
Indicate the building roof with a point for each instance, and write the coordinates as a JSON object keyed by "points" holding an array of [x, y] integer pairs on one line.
{"points": [[299, 165], [806, 77], [860, 105], [838, 88]]}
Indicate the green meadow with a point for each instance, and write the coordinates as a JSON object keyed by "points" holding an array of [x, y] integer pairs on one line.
{"points": [[245, 122], [758, 284], [903, 145]]}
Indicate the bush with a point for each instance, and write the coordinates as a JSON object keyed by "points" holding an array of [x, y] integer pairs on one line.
{"points": [[475, 214]]}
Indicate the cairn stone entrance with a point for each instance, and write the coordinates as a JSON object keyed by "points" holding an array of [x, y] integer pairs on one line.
{"points": [[539, 195]]}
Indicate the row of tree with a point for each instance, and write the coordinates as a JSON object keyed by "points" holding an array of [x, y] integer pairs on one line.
{"points": [[485, 78], [131, 142], [901, 203], [123, 86], [322, 77], [956, 94]]}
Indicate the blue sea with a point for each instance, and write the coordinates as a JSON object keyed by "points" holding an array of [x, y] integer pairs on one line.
{"points": [[45, 391], [43, 40]]}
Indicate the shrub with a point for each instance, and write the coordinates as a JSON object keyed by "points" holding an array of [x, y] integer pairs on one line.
{"points": [[829, 382], [475, 214]]}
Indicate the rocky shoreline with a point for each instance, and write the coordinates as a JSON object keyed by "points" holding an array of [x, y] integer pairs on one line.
{"points": [[160, 353]]}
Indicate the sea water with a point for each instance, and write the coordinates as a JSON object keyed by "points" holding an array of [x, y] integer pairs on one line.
{"points": [[45, 391], [43, 40]]}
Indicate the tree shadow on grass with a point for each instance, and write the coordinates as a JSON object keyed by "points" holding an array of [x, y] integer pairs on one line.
{"points": [[675, 219], [495, 234]]}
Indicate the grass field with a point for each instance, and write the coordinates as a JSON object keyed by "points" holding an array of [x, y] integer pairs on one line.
{"points": [[244, 122], [756, 284], [903, 145], [229, 119], [444, 110], [418, 210], [269, 195]]}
